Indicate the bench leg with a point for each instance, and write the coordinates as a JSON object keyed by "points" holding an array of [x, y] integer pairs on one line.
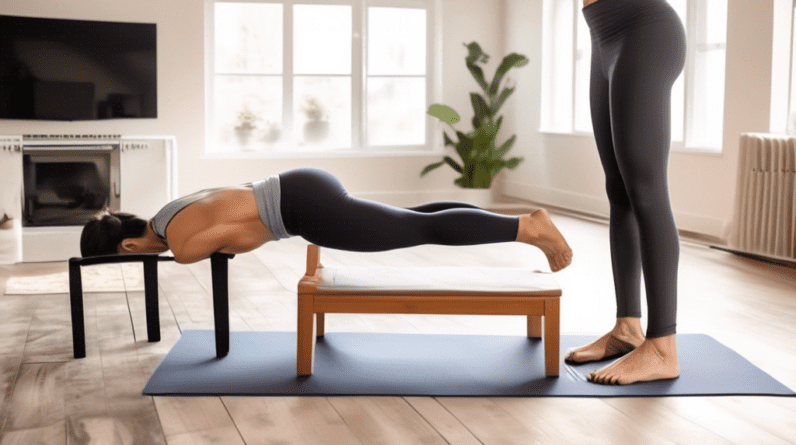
{"points": [[220, 273], [534, 326], [305, 336], [76, 302], [151, 299], [319, 323], [551, 336]]}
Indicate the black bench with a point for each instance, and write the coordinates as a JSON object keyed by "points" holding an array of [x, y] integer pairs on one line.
{"points": [[219, 270]]}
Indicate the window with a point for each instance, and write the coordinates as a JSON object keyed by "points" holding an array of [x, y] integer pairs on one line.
{"points": [[697, 95], [320, 76], [791, 122]]}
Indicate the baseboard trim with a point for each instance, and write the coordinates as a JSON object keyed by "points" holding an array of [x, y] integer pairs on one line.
{"points": [[699, 228]]}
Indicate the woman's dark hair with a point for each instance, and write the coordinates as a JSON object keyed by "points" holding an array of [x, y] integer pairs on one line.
{"points": [[103, 234]]}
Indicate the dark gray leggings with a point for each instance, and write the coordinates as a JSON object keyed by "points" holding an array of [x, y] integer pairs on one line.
{"points": [[316, 207], [638, 51]]}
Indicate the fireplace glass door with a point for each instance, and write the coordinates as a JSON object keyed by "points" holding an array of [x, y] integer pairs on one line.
{"points": [[67, 186]]}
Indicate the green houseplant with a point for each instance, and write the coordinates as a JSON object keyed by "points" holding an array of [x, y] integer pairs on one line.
{"points": [[480, 158]]}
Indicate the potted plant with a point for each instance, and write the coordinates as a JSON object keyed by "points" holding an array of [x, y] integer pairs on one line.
{"points": [[245, 127], [317, 127], [480, 157], [273, 131]]}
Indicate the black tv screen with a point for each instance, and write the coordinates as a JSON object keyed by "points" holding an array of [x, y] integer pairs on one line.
{"points": [[58, 69]]}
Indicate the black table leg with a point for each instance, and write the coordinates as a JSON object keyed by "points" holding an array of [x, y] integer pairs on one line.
{"points": [[76, 302], [219, 269], [151, 298]]}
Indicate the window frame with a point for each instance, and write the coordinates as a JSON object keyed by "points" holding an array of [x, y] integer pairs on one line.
{"points": [[359, 77], [693, 33]]}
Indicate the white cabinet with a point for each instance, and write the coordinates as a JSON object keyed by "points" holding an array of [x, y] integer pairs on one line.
{"points": [[147, 175], [11, 199]]}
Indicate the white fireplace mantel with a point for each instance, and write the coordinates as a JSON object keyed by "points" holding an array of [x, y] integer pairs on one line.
{"points": [[147, 182]]}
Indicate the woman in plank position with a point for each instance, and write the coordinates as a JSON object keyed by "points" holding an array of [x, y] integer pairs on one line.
{"points": [[312, 204], [638, 51]]}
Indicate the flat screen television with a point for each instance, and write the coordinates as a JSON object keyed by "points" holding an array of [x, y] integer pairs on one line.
{"points": [[59, 69]]}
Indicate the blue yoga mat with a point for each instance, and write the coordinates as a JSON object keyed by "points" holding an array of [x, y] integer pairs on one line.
{"points": [[347, 363]]}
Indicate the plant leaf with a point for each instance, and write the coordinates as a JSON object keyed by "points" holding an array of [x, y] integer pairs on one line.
{"points": [[430, 167], [480, 107], [512, 163], [448, 140], [513, 60], [444, 113], [476, 56], [500, 152], [465, 147], [454, 165], [501, 99]]}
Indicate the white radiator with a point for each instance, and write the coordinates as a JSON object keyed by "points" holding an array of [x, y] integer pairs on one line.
{"points": [[764, 219]]}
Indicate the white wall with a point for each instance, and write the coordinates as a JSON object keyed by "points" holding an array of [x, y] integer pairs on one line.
{"points": [[565, 171], [181, 107]]}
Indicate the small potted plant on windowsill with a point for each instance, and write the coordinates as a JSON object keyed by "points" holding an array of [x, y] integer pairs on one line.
{"points": [[317, 127], [480, 159], [245, 127]]}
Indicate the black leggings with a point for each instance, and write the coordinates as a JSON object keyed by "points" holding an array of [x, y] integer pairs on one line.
{"points": [[316, 207], [638, 51]]}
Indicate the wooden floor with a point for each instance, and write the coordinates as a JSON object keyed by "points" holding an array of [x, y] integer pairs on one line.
{"points": [[49, 397]]}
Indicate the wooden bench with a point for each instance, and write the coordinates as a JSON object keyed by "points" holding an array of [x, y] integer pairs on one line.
{"points": [[425, 290]]}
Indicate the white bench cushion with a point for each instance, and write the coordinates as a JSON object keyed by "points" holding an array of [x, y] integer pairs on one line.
{"points": [[465, 279]]}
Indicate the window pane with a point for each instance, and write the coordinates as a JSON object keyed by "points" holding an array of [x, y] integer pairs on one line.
{"points": [[678, 108], [396, 41], [396, 111], [706, 122], [791, 126], [583, 75], [256, 99], [248, 38], [678, 89], [322, 39], [708, 100], [322, 116]]}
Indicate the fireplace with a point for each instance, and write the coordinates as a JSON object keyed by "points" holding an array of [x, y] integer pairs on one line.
{"points": [[51, 185], [65, 185]]}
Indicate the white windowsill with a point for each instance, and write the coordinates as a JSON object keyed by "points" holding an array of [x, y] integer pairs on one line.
{"points": [[322, 154]]}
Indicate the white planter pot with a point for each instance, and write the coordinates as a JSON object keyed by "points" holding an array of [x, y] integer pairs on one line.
{"points": [[477, 197]]}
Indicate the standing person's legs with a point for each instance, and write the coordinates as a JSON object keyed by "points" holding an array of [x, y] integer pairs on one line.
{"points": [[642, 59]]}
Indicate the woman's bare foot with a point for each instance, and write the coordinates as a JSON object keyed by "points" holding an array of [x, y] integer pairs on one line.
{"points": [[655, 359], [623, 338], [538, 230]]}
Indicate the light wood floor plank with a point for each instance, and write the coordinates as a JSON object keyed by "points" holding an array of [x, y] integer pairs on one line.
{"points": [[54, 434], [289, 420], [180, 415], [446, 424], [489, 423], [134, 414], [719, 415], [385, 420], [38, 397], [215, 436]]}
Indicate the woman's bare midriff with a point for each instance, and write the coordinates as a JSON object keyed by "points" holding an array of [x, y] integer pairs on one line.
{"points": [[233, 207], [588, 2]]}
